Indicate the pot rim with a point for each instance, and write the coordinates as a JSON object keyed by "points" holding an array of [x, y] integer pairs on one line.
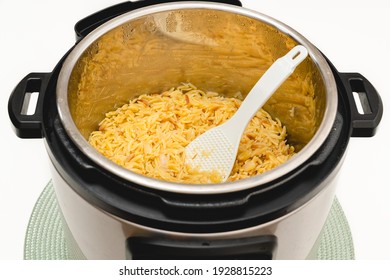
{"points": [[255, 181]]}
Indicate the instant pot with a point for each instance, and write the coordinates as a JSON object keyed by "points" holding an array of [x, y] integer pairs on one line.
{"points": [[147, 46]]}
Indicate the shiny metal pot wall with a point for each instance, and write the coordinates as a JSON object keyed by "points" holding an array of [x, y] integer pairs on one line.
{"points": [[216, 47]]}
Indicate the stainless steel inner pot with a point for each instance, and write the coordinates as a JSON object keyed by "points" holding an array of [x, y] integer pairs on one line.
{"points": [[216, 47]]}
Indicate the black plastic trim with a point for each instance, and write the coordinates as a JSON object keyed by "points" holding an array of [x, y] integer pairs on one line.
{"points": [[89, 23], [28, 126], [250, 248], [363, 124]]}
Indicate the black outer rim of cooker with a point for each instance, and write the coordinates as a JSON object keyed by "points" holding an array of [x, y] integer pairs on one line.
{"points": [[193, 213]]}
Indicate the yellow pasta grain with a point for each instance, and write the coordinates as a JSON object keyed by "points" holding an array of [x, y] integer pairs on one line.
{"points": [[149, 135]]}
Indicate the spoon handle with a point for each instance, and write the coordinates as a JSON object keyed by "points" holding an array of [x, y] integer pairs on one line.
{"points": [[279, 71]]}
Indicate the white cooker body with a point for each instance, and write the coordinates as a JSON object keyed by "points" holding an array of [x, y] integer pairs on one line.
{"points": [[95, 234]]}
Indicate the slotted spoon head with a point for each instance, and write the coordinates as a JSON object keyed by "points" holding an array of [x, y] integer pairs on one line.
{"points": [[212, 150], [216, 149]]}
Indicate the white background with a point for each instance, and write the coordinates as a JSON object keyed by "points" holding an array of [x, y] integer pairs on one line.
{"points": [[353, 34]]}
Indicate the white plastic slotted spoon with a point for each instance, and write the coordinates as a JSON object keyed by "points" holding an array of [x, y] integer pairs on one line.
{"points": [[216, 149]]}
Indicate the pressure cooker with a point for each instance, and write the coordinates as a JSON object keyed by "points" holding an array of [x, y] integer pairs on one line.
{"points": [[110, 212]]}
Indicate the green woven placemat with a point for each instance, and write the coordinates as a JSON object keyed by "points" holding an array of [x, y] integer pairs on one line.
{"points": [[45, 238]]}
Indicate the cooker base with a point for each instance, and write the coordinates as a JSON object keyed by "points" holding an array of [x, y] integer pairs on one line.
{"points": [[45, 236]]}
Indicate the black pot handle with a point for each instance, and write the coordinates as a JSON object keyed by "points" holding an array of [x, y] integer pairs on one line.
{"points": [[254, 248], [28, 126], [364, 124], [89, 23]]}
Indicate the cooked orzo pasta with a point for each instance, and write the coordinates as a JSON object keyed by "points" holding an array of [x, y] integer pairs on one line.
{"points": [[149, 135]]}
